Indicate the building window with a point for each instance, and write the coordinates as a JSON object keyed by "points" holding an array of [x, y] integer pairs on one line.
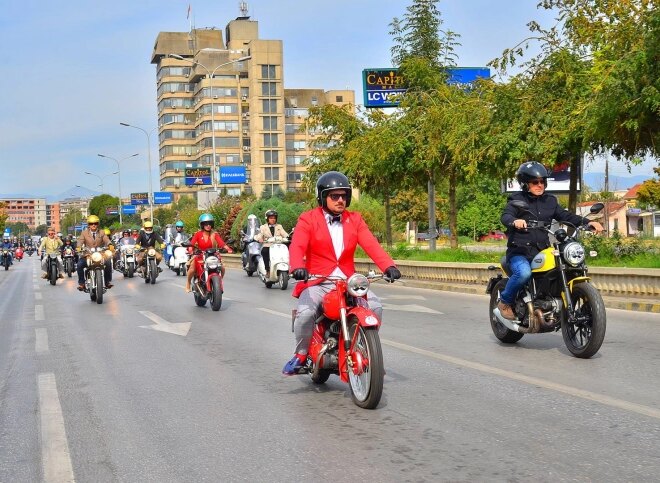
{"points": [[295, 145], [339, 99], [271, 157], [271, 174], [315, 101], [269, 105], [268, 89], [268, 71], [270, 123], [271, 140], [294, 160], [294, 177]]}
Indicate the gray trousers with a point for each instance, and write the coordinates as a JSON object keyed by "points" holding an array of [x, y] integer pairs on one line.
{"points": [[310, 309]]}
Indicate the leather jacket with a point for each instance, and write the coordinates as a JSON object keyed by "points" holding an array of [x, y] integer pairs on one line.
{"points": [[544, 208]]}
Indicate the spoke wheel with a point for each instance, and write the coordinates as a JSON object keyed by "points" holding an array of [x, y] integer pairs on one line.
{"points": [[367, 384], [584, 337], [501, 332], [154, 271], [98, 273]]}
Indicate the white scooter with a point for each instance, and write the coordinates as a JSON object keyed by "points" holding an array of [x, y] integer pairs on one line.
{"points": [[279, 263], [179, 259]]}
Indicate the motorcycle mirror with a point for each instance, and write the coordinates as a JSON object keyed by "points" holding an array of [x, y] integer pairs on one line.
{"points": [[596, 207]]}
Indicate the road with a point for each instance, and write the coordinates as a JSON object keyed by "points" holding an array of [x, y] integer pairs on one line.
{"points": [[93, 393]]}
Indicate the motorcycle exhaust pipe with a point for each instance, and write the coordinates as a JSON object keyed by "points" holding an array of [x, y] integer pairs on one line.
{"points": [[317, 364], [510, 324]]}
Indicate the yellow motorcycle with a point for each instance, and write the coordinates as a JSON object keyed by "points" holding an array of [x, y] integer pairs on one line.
{"points": [[559, 295]]}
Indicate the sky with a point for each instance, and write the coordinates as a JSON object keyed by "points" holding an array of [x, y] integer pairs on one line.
{"points": [[74, 70]]}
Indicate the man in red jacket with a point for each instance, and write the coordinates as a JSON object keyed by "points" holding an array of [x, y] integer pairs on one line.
{"points": [[325, 243]]}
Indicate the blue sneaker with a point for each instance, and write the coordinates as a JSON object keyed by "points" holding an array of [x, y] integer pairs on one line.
{"points": [[294, 366]]}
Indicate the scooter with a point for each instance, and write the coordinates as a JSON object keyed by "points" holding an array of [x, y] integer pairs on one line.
{"points": [[279, 263], [18, 253], [251, 255], [179, 259]]}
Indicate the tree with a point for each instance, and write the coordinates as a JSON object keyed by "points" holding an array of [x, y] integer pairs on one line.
{"points": [[18, 227], [3, 214], [41, 230], [649, 192], [98, 206], [70, 220]]}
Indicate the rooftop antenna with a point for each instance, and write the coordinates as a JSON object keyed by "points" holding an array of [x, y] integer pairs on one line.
{"points": [[243, 6]]}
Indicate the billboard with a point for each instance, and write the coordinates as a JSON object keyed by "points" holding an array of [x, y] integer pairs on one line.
{"points": [[197, 176], [111, 210], [232, 174], [382, 86], [162, 197], [128, 209], [559, 179], [139, 198]]}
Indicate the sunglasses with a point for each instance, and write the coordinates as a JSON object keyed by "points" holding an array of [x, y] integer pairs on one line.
{"points": [[536, 181], [338, 196], [92, 224], [207, 223]]}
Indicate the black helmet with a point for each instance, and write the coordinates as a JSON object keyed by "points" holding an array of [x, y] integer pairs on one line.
{"points": [[529, 171], [271, 213], [329, 181]]}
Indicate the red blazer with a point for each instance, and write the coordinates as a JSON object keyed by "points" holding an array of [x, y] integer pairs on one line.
{"points": [[312, 247]]}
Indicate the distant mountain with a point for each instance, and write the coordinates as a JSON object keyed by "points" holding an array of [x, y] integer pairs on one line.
{"points": [[596, 181]]}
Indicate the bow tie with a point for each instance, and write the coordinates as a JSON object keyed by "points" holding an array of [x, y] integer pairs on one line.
{"points": [[334, 219]]}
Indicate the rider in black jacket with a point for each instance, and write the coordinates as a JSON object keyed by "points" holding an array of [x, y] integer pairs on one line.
{"points": [[523, 244], [148, 238]]}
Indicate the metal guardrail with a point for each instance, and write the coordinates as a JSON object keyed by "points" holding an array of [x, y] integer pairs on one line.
{"points": [[613, 281]]}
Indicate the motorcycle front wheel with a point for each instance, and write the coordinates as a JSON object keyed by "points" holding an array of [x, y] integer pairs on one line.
{"points": [[283, 278], [98, 274], [53, 274], [501, 332], [367, 386], [131, 269], [154, 271], [584, 337], [216, 293]]}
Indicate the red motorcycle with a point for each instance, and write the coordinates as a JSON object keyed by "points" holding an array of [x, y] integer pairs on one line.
{"points": [[207, 280], [18, 253], [345, 341]]}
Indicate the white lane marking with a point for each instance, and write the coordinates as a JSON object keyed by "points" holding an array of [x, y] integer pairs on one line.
{"points": [[38, 312], [403, 297], [411, 308], [162, 325], [55, 456], [41, 340], [274, 312], [534, 381], [37, 287], [37, 296]]}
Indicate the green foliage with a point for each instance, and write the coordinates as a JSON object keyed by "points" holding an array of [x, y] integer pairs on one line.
{"points": [[287, 214], [373, 213], [623, 251], [3, 215], [73, 217], [649, 192], [481, 205], [41, 230], [97, 206], [18, 227]]}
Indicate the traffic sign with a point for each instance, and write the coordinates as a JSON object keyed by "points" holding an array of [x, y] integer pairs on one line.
{"points": [[128, 209], [139, 198]]}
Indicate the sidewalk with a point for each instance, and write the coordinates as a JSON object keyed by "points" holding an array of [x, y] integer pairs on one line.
{"points": [[624, 303]]}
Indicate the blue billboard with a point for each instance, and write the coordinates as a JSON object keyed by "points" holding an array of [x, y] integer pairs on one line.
{"points": [[139, 198], [197, 176], [128, 209], [162, 198], [232, 174], [381, 87]]}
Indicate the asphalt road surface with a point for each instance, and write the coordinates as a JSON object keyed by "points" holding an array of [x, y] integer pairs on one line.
{"points": [[150, 387]]}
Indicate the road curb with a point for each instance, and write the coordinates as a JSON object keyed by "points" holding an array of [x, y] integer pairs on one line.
{"points": [[623, 303]]}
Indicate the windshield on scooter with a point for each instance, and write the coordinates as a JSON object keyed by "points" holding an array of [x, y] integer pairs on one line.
{"points": [[252, 227]]}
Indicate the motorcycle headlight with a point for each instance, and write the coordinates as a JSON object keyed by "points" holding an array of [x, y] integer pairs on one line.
{"points": [[358, 285], [151, 252], [574, 254], [212, 263], [129, 251], [97, 257]]}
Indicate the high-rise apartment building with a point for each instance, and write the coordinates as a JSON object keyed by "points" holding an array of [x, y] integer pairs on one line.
{"points": [[226, 96]]}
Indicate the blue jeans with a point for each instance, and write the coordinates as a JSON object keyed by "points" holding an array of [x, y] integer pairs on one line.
{"points": [[521, 271]]}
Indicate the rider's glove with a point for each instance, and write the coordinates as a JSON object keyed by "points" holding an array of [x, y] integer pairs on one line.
{"points": [[300, 274], [392, 273]]}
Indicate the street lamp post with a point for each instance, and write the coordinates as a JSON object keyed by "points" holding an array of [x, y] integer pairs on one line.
{"points": [[121, 222], [151, 192], [209, 76], [101, 178]]}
